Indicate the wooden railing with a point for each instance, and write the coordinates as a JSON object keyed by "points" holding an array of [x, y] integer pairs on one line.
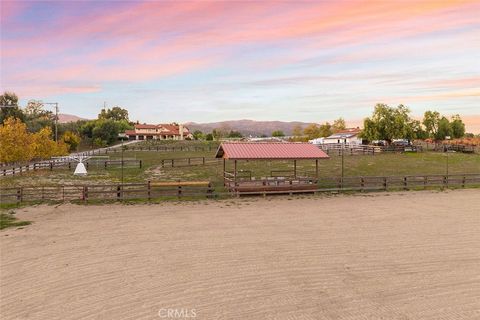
{"points": [[204, 189], [274, 185], [188, 162], [148, 190], [5, 171]]}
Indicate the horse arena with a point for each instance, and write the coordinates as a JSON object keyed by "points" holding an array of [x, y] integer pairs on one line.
{"points": [[403, 255]]}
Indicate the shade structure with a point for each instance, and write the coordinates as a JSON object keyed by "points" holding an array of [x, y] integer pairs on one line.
{"points": [[80, 170], [269, 151]]}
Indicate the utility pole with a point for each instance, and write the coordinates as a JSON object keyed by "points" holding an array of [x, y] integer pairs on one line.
{"points": [[122, 163]]}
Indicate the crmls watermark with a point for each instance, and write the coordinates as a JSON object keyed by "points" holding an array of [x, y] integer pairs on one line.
{"points": [[182, 313]]}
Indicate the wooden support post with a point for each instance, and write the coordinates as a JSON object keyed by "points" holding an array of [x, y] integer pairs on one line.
{"points": [[294, 169], [224, 169], [235, 173], [316, 169]]}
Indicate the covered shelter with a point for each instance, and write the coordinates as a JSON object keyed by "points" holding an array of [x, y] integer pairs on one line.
{"points": [[276, 151]]}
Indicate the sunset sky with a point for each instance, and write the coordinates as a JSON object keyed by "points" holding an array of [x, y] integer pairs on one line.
{"points": [[266, 60]]}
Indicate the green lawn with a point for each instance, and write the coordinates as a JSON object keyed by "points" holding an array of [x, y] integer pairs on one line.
{"points": [[359, 165], [8, 220]]}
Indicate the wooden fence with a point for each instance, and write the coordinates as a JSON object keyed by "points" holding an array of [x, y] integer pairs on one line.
{"points": [[187, 162], [354, 149], [147, 191], [166, 149], [204, 189], [4, 171], [285, 184]]}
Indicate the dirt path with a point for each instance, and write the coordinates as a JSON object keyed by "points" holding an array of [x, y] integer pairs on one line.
{"points": [[412, 255]]}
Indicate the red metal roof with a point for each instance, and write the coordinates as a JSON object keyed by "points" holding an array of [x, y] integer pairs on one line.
{"points": [[272, 150]]}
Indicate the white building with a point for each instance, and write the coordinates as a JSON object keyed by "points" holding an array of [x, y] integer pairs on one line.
{"points": [[158, 132], [349, 136]]}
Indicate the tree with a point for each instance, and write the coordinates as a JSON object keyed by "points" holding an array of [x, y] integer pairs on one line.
{"points": [[431, 120], [388, 123], [297, 131], [116, 113], [457, 127], [326, 130], [312, 131], [72, 140], [198, 135], [338, 125], [235, 134], [44, 147], [219, 133], [444, 130], [278, 133], [106, 130], [10, 108], [36, 117], [209, 137], [15, 141]]}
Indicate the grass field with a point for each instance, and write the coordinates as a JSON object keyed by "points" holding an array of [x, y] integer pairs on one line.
{"points": [[358, 165], [403, 255]]}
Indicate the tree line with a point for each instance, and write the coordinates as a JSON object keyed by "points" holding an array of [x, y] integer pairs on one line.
{"points": [[27, 133], [388, 123]]}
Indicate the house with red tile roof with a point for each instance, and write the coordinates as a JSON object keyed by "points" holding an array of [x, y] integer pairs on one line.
{"points": [[170, 131]]}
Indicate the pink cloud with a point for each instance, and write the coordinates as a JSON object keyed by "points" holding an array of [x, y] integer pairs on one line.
{"points": [[149, 40]]}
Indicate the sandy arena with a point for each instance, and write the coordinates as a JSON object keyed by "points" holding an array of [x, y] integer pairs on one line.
{"points": [[412, 255]]}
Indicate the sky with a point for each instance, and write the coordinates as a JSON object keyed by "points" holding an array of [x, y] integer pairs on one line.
{"points": [[207, 61]]}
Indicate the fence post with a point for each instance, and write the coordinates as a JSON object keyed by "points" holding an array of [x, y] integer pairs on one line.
{"points": [[203, 160], [188, 161], [209, 190], [463, 181], [425, 182], [118, 192], [362, 183], [140, 163], [405, 187], [385, 183], [105, 164], [179, 191], [149, 190], [51, 166], [163, 163], [19, 195], [445, 181], [85, 194]]}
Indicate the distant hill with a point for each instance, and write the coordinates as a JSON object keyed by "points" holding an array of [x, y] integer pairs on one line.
{"points": [[64, 118], [248, 127]]}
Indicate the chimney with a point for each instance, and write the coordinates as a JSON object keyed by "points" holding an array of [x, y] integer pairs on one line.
{"points": [[180, 130]]}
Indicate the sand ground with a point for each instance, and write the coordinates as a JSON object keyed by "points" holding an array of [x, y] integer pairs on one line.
{"points": [[412, 255]]}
